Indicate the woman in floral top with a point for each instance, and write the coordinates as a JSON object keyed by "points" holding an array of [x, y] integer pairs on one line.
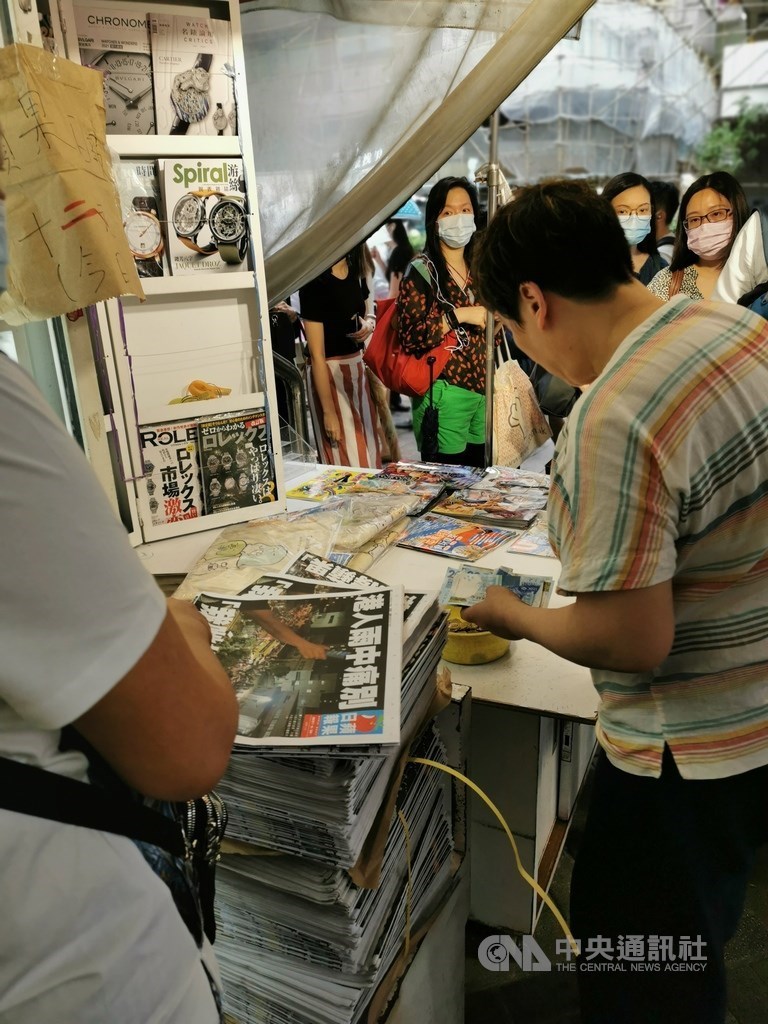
{"points": [[428, 311], [712, 213]]}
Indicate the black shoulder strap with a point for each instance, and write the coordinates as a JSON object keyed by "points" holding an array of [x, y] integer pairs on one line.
{"points": [[26, 789]]}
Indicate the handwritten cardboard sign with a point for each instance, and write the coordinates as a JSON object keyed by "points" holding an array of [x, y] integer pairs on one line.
{"points": [[67, 248]]}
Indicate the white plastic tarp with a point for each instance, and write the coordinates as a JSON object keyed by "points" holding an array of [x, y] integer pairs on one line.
{"points": [[355, 104]]}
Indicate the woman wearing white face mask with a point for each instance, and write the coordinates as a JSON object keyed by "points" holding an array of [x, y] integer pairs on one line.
{"points": [[630, 196], [712, 212], [429, 310]]}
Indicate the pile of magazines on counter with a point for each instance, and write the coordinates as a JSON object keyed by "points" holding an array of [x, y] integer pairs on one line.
{"points": [[337, 846], [458, 511]]}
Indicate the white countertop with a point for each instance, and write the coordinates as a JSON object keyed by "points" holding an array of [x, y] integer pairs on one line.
{"points": [[528, 677]]}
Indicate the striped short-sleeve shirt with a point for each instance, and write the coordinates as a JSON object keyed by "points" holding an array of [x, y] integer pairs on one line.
{"points": [[662, 473]]}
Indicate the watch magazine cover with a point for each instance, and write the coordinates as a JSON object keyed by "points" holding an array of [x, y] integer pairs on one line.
{"points": [[193, 74], [114, 39], [142, 210], [236, 462], [206, 212], [170, 491]]}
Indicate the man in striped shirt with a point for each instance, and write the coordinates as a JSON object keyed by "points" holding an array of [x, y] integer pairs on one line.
{"points": [[659, 515]]}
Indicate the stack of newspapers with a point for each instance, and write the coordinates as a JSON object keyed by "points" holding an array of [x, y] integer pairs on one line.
{"points": [[298, 941], [343, 845]]}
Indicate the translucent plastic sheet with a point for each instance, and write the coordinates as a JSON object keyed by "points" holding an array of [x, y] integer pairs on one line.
{"points": [[355, 104]]}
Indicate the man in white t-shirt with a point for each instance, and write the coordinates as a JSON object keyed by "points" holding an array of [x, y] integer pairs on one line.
{"points": [[90, 934]]}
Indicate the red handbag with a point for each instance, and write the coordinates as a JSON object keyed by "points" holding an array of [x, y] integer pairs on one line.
{"points": [[397, 370]]}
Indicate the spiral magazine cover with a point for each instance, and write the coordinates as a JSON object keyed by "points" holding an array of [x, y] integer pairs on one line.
{"points": [[207, 215]]}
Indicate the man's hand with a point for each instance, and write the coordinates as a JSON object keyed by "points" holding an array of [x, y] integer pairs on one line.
{"points": [[318, 652], [496, 613], [190, 621], [167, 726], [618, 630]]}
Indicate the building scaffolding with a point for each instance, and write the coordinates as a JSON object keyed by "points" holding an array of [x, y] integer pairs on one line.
{"points": [[634, 92]]}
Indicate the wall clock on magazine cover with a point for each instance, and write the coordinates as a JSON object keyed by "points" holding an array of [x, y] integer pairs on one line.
{"points": [[128, 99]]}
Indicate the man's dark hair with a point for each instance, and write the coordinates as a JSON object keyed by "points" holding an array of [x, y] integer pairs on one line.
{"points": [[666, 196], [630, 179], [558, 234]]}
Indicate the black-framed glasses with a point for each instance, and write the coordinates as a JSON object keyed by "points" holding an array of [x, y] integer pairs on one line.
{"points": [[716, 216]]}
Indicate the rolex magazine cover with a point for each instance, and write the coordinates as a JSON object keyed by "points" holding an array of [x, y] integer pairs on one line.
{"points": [[237, 465], [314, 669], [170, 490], [207, 212]]}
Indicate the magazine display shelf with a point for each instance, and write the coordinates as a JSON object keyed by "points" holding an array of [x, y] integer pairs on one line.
{"points": [[211, 326], [191, 285], [160, 146]]}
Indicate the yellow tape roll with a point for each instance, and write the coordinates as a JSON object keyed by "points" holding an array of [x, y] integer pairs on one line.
{"points": [[468, 645]]}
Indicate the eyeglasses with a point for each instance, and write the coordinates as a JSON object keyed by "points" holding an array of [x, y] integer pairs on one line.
{"points": [[626, 211], [713, 217]]}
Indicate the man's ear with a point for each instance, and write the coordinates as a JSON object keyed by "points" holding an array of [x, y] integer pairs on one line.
{"points": [[533, 300]]}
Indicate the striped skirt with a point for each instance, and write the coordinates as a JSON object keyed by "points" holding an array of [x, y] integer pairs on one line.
{"points": [[359, 444]]}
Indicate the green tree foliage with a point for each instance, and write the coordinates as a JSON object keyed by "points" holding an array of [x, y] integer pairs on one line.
{"points": [[735, 143]]}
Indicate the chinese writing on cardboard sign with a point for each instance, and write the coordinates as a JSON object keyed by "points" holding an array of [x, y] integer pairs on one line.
{"points": [[66, 243]]}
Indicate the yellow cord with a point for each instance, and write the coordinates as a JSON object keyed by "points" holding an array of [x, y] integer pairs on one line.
{"points": [[409, 894], [523, 873]]}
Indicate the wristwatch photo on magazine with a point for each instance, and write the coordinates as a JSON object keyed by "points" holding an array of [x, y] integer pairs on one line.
{"points": [[227, 221]]}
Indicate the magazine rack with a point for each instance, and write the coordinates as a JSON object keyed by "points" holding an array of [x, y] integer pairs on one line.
{"points": [[203, 325]]}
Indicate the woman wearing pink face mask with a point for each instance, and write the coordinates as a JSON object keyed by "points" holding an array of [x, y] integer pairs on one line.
{"points": [[711, 214]]}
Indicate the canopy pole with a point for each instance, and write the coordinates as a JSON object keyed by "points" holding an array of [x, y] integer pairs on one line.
{"points": [[493, 195]]}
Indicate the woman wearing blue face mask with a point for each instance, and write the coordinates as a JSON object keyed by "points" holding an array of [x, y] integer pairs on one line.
{"points": [[630, 196], [435, 299]]}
